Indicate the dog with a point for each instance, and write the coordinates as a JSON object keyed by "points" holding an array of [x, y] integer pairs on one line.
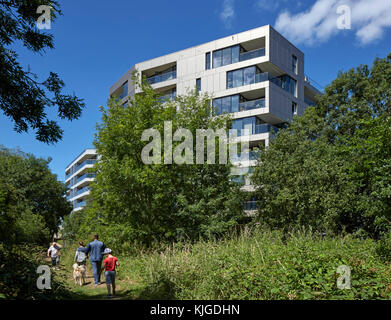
{"points": [[79, 274]]}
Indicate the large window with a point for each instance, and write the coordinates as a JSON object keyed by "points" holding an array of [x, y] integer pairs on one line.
{"points": [[217, 58], [226, 105], [234, 54], [237, 78], [124, 92], [236, 103], [249, 124], [253, 125], [242, 77], [287, 83], [249, 75], [226, 56]]}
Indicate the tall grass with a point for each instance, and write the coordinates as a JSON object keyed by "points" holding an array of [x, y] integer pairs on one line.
{"points": [[259, 264]]}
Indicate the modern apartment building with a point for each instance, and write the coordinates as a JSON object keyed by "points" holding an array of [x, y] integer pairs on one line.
{"points": [[78, 178], [257, 76]]}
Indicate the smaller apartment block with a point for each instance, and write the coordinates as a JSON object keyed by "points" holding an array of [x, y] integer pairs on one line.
{"points": [[78, 178]]}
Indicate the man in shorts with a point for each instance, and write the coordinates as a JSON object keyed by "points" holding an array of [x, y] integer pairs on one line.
{"points": [[54, 253]]}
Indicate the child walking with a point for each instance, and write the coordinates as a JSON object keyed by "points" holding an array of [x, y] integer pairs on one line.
{"points": [[81, 254], [110, 263]]}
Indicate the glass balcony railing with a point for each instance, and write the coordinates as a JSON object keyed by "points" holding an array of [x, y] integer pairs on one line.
{"points": [[79, 204], [162, 77], [257, 129], [250, 105], [167, 97], [260, 77], [84, 163], [76, 168], [75, 193], [250, 206], [85, 176], [252, 54], [309, 102], [265, 128], [313, 83], [82, 190]]}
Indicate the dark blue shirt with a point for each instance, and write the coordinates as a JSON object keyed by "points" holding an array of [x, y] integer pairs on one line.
{"points": [[96, 248]]}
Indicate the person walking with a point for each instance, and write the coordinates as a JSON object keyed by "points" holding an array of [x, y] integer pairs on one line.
{"points": [[95, 249], [54, 254], [81, 254], [110, 263]]}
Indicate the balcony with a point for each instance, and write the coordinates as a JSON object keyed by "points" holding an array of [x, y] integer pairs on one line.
{"points": [[75, 193], [85, 176], [265, 128], [167, 97], [76, 168], [246, 156], [257, 129], [252, 54], [251, 75], [313, 83], [84, 163], [79, 204], [260, 77], [309, 102], [251, 105], [162, 77]]}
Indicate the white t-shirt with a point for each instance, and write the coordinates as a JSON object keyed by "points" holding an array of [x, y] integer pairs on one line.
{"points": [[53, 251]]}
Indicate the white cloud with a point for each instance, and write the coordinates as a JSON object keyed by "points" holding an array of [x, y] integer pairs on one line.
{"points": [[369, 18], [269, 5], [228, 13]]}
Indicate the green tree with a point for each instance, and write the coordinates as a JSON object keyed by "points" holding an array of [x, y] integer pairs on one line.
{"points": [[330, 168], [142, 202], [32, 201], [23, 98]]}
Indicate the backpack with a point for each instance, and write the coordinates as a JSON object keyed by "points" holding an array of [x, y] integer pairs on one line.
{"points": [[81, 256]]}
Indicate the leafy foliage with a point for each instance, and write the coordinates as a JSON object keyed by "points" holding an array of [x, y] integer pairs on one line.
{"points": [[22, 97], [330, 168], [131, 200], [32, 201], [261, 264], [18, 278]]}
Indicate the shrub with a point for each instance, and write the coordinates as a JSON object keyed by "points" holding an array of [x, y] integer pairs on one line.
{"points": [[263, 265]]}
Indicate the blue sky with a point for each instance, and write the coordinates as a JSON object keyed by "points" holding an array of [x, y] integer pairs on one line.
{"points": [[96, 42]]}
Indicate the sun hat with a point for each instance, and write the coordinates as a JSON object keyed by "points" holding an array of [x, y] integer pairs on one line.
{"points": [[107, 250]]}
